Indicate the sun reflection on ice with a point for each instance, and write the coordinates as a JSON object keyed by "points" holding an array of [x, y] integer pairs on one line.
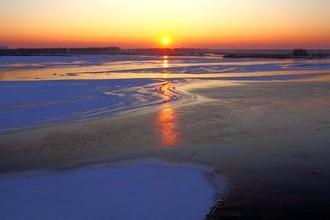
{"points": [[167, 120], [167, 124], [165, 63]]}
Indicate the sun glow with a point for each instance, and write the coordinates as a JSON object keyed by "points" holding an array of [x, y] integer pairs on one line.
{"points": [[252, 24], [166, 41]]}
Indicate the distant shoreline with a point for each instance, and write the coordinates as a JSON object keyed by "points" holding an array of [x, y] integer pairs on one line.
{"points": [[262, 54]]}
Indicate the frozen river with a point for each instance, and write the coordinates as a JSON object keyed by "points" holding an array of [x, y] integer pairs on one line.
{"points": [[43, 89]]}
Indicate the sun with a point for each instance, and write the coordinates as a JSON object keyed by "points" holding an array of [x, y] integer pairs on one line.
{"points": [[166, 41]]}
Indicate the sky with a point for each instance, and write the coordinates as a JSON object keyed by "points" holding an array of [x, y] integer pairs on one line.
{"points": [[227, 24]]}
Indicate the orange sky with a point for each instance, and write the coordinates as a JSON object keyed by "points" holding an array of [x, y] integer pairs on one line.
{"points": [[143, 23]]}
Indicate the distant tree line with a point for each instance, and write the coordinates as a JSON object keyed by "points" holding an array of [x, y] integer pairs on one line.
{"points": [[103, 51], [60, 51], [276, 54], [304, 53]]}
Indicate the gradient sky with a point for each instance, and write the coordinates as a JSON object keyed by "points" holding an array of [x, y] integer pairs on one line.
{"points": [[189, 23]]}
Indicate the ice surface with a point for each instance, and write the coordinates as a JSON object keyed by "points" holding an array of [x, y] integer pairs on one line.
{"points": [[146, 189], [68, 91], [154, 64], [35, 102]]}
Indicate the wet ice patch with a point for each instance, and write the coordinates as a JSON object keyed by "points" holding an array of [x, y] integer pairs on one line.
{"points": [[149, 189]]}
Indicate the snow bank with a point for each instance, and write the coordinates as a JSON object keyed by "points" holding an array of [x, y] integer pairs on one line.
{"points": [[148, 189]]}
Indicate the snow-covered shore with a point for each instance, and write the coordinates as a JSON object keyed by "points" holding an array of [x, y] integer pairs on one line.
{"points": [[142, 189]]}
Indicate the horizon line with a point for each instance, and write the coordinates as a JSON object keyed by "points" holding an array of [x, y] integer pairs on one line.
{"points": [[156, 48]]}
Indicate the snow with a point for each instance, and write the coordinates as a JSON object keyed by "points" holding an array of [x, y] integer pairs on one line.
{"points": [[59, 61], [143, 189], [30, 103]]}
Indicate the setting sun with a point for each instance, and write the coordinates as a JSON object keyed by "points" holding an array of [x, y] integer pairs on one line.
{"points": [[166, 41]]}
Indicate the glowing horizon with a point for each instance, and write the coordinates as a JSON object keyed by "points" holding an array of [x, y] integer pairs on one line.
{"points": [[232, 24]]}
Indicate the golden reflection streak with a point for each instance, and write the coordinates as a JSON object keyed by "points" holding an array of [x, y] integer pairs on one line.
{"points": [[167, 120], [167, 127], [165, 63]]}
